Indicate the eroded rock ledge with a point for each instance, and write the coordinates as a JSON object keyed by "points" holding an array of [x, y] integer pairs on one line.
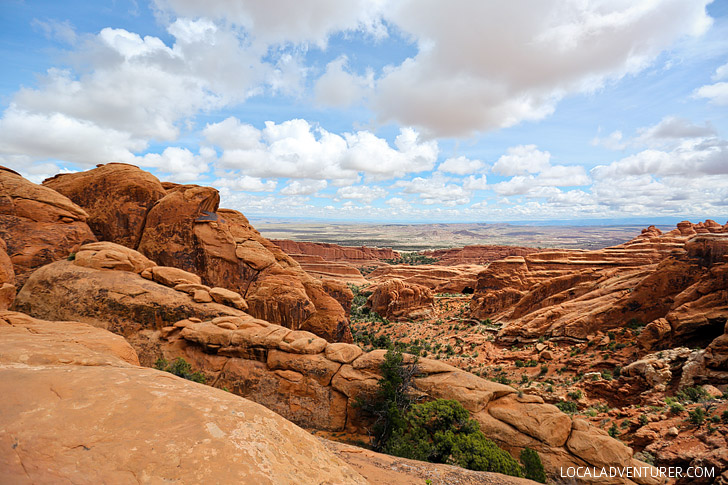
{"points": [[295, 373]]}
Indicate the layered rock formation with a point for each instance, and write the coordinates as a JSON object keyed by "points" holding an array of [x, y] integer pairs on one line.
{"points": [[182, 226], [37, 224], [397, 300], [116, 288], [480, 254], [89, 414], [454, 279], [320, 268], [333, 252], [316, 385], [300, 376], [658, 278]]}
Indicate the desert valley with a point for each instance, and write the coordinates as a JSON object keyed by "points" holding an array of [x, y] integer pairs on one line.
{"points": [[112, 281], [386, 242]]}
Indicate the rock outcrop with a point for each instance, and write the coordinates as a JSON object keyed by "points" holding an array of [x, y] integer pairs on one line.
{"points": [[480, 254], [461, 278], [333, 252], [300, 376], [396, 300], [88, 414], [116, 196], [322, 269], [674, 284], [316, 386], [182, 226], [38, 224]]}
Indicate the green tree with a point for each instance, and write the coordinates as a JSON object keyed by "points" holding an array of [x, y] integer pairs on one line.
{"points": [[392, 398], [441, 431], [532, 466]]}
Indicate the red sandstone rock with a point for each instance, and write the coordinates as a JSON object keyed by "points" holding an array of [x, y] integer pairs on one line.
{"points": [[397, 300], [108, 255], [577, 293], [440, 279], [87, 414], [477, 254], [116, 196], [334, 252], [38, 224], [180, 226]]}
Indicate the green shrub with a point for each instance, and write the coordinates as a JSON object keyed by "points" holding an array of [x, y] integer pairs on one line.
{"points": [[692, 394], [568, 407], [180, 368], [614, 431], [697, 416], [532, 466], [676, 408], [724, 417], [575, 395], [442, 431]]}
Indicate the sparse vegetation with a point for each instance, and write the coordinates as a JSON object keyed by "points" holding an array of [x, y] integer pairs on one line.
{"points": [[180, 368], [568, 407], [412, 259], [697, 416]]}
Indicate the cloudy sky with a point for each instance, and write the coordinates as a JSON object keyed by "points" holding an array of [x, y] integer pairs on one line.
{"points": [[392, 110]]}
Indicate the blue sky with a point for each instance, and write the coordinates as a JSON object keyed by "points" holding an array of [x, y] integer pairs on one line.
{"points": [[382, 110]]}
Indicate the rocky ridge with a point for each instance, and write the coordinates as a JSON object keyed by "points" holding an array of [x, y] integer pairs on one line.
{"points": [[461, 278], [182, 226], [574, 294], [300, 376], [476, 254]]}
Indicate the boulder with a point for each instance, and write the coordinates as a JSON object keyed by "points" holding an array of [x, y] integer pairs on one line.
{"points": [[108, 255], [116, 196], [343, 353], [541, 421], [69, 425], [168, 276], [397, 300], [596, 447], [229, 298], [38, 224]]}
